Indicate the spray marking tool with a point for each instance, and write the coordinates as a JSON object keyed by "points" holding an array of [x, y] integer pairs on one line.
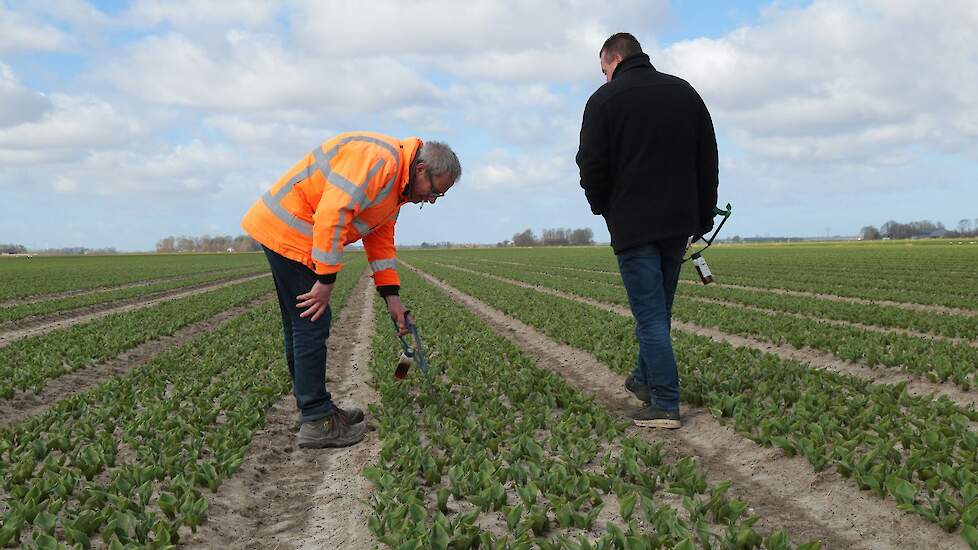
{"points": [[410, 355], [699, 262]]}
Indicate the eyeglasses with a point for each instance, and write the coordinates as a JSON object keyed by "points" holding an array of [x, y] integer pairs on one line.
{"points": [[433, 193]]}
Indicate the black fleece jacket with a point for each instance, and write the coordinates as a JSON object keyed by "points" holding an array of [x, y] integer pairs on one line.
{"points": [[648, 156]]}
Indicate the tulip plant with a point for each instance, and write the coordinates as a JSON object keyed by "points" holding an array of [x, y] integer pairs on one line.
{"points": [[492, 451]]}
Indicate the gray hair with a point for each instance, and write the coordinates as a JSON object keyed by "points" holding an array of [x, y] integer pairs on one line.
{"points": [[440, 159]]}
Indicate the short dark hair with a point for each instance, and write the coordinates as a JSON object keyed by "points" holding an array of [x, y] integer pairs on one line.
{"points": [[620, 43]]}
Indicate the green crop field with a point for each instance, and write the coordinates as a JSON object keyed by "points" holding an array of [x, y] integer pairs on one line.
{"points": [[828, 392]]}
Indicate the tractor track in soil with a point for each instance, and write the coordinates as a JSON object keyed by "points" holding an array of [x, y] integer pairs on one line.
{"points": [[285, 497], [26, 404], [815, 358], [928, 308], [784, 491], [26, 300], [770, 311], [839, 322], [38, 325]]}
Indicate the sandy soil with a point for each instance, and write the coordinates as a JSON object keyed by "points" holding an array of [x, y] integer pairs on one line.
{"points": [[34, 326], [816, 358], [285, 497], [26, 404], [784, 491], [929, 308], [81, 292], [838, 322], [905, 305]]}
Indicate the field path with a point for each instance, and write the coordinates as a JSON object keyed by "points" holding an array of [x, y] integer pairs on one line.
{"points": [[836, 322], [34, 326], [25, 404], [929, 308], [815, 358], [95, 290], [285, 497], [784, 491]]}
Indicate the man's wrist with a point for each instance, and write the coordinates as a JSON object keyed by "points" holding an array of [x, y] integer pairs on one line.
{"points": [[388, 290], [326, 279]]}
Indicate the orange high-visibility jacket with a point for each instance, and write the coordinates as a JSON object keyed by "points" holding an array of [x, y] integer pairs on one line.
{"points": [[343, 191]]}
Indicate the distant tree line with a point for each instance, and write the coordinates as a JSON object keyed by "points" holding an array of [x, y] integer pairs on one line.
{"points": [[66, 251], [222, 243], [552, 237], [919, 229], [13, 249]]}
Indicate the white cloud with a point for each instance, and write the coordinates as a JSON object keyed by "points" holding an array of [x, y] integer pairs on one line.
{"points": [[452, 28], [208, 103], [194, 169], [66, 185], [254, 71], [842, 81], [20, 32], [505, 170], [19, 104], [491, 40], [268, 137], [190, 14], [69, 129], [519, 114]]}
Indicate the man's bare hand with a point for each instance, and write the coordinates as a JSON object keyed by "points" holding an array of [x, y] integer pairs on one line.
{"points": [[396, 310], [315, 301]]}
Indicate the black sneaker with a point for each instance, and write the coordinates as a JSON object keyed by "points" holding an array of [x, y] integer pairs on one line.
{"points": [[650, 416], [331, 431], [640, 390], [353, 415]]}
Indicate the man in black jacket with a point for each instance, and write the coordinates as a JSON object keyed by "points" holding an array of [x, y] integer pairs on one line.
{"points": [[648, 160]]}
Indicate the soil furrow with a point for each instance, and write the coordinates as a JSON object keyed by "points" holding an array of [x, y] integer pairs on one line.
{"points": [[95, 290], [26, 404], [928, 308], [838, 322], [285, 497], [815, 358], [338, 518], [785, 492], [851, 299], [34, 326]]}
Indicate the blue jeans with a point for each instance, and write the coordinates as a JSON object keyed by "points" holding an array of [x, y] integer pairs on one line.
{"points": [[305, 341], [650, 274]]}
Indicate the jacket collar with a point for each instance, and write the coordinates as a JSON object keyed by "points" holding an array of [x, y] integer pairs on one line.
{"points": [[409, 152], [633, 61]]}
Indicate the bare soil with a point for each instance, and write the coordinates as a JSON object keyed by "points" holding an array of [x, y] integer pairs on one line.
{"points": [[37, 325], [836, 322], [840, 323], [81, 292], [784, 491], [816, 358], [25, 404], [285, 497], [852, 299], [929, 308]]}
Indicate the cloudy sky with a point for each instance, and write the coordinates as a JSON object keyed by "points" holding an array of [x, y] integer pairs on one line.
{"points": [[124, 122]]}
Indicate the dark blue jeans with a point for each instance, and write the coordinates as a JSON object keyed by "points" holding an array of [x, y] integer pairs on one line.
{"points": [[305, 341], [650, 274]]}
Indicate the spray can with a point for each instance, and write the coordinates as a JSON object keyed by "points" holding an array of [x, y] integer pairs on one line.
{"points": [[404, 364], [699, 262]]}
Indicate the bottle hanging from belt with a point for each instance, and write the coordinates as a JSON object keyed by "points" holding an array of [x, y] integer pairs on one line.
{"points": [[699, 262]]}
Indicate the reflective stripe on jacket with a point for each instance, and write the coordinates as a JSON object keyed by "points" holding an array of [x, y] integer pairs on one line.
{"points": [[343, 191]]}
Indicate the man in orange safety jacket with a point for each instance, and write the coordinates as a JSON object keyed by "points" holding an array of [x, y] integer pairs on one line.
{"points": [[350, 188]]}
